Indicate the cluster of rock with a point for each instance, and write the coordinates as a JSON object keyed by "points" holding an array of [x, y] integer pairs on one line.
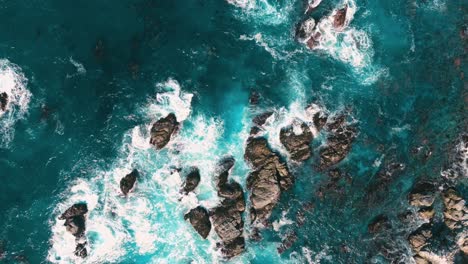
{"points": [[3, 101], [455, 219], [307, 31], [75, 223]]}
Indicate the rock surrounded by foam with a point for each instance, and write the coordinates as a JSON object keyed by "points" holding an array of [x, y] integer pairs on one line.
{"points": [[127, 182], [339, 18], [269, 178], [200, 220], [339, 142], [297, 142], [75, 223], [191, 181], [3, 101], [162, 131]]}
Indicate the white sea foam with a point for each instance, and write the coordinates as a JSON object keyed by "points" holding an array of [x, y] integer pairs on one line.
{"points": [[13, 83], [283, 221], [267, 12]]}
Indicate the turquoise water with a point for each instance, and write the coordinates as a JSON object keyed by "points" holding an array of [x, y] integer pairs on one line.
{"points": [[88, 76]]}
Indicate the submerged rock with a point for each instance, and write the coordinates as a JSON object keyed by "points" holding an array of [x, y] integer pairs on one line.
{"points": [[192, 180], [162, 131], [305, 30], [297, 142], [200, 220], [127, 182], [287, 242], [339, 18], [3, 101], [456, 212], [422, 194], [339, 143], [379, 224]]}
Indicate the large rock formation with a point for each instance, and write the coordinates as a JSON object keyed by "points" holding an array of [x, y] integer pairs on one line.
{"points": [[227, 217], [127, 182], [269, 178], [191, 181], [3, 101], [200, 220], [75, 223], [339, 142], [456, 211], [296, 140], [162, 130]]}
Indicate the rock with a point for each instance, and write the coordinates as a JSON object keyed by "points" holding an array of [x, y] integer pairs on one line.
{"points": [[378, 224], [418, 238], [287, 242], [426, 213], [76, 225], [233, 248], [320, 119], [406, 217], [162, 131], [456, 212], [230, 191], [420, 260], [191, 181], [74, 210], [422, 194], [254, 98], [3, 101], [80, 250], [127, 182], [339, 18], [200, 220], [305, 30], [227, 223], [297, 141], [338, 144], [261, 119]]}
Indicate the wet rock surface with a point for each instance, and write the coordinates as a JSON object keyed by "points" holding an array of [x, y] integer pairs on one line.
{"points": [[75, 223], [456, 211], [422, 194], [127, 182], [379, 224], [3, 101], [297, 141], [200, 220], [162, 131], [191, 180], [269, 178]]}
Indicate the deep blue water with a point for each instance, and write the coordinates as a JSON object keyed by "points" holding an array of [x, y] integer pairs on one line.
{"points": [[93, 69]]}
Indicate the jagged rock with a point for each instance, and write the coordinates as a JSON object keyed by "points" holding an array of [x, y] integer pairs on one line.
{"points": [[76, 225], [192, 180], [74, 210], [127, 182], [339, 18], [320, 119], [305, 30], [233, 248], [297, 142], [162, 131], [338, 144], [269, 177], [287, 242], [422, 194], [227, 223], [200, 220], [378, 224], [456, 212], [426, 213], [80, 250], [418, 238], [261, 119], [3, 101], [233, 194]]}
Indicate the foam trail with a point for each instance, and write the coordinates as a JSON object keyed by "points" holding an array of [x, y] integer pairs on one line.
{"points": [[13, 83]]}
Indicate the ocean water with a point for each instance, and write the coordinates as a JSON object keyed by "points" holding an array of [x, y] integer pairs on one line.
{"points": [[87, 79]]}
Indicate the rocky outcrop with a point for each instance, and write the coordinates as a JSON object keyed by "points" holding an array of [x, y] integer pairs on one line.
{"points": [[287, 242], [127, 182], [456, 211], [227, 217], [379, 224], [297, 141], [200, 220], [418, 239], [259, 121], [339, 18], [422, 194], [339, 142], [319, 119], [3, 101], [269, 178], [191, 181], [75, 223], [162, 131]]}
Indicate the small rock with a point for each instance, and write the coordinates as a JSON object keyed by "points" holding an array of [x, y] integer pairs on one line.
{"points": [[426, 213], [200, 220], [191, 181], [320, 119], [127, 182], [162, 131], [297, 142], [74, 210], [3, 101], [378, 224], [339, 18], [261, 119], [422, 194], [80, 250]]}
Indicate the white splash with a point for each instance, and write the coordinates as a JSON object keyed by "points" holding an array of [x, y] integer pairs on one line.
{"points": [[13, 83], [79, 67]]}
